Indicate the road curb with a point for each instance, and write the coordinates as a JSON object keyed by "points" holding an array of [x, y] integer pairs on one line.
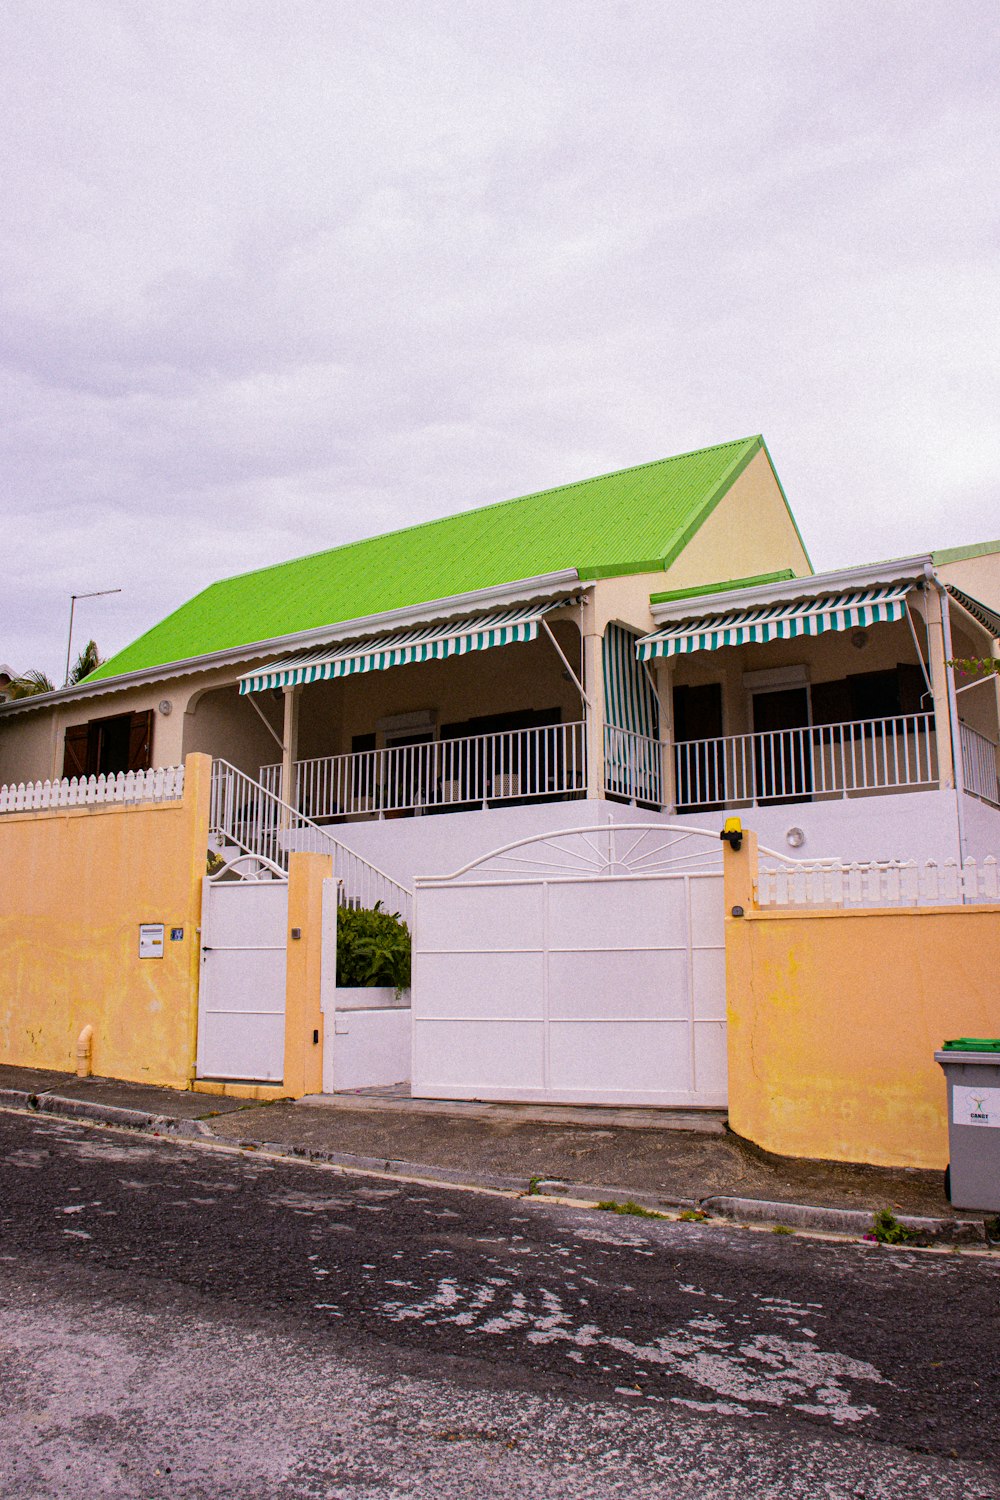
{"points": [[849, 1221], [842, 1221], [102, 1114], [397, 1166]]}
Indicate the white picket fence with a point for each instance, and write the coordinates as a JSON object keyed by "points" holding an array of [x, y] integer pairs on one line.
{"points": [[162, 784], [827, 883]]}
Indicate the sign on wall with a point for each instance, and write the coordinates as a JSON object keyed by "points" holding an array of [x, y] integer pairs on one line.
{"points": [[150, 939]]}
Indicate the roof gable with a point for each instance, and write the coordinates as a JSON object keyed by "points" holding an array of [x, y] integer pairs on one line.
{"points": [[633, 520]]}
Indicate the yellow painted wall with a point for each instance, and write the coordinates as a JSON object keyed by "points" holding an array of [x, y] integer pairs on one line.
{"points": [[303, 1069], [74, 886], [834, 1018]]}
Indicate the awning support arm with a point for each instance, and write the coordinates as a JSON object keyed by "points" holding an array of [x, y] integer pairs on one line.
{"points": [[991, 677], [920, 654], [268, 726], [580, 687]]}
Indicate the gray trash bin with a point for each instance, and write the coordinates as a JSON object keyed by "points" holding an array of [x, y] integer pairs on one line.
{"points": [[972, 1072]]}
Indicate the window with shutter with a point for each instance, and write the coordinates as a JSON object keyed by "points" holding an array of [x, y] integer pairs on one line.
{"points": [[107, 746], [75, 750], [140, 741]]}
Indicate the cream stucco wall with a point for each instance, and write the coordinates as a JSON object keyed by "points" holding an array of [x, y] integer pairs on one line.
{"points": [[503, 680], [227, 726], [825, 658], [978, 576], [31, 739], [749, 532]]}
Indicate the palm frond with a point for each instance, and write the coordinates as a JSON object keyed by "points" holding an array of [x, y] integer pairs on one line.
{"points": [[28, 685]]}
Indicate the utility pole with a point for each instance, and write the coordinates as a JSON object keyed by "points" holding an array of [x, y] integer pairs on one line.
{"points": [[97, 594]]}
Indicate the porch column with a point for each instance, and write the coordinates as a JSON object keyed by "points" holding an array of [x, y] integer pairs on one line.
{"points": [[290, 745], [593, 680], [939, 675], [663, 675]]}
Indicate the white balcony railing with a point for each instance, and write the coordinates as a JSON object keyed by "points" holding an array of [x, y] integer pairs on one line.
{"points": [[548, 761], [979, 765], [821, 760], [633, 766]]}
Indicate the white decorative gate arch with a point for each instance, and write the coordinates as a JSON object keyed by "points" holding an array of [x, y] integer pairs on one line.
{"points": [[582, 966]]}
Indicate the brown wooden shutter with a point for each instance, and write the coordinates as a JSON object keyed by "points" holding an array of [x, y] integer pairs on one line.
{"points": [[140, 741], [75, 750]]}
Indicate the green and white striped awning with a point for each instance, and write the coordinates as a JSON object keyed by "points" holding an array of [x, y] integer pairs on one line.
{"points": [[423, 643], [778, 622], [629, 699]]}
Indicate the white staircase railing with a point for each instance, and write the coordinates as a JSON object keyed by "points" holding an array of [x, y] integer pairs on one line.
{"points": [[246, 817], [161, 784]]}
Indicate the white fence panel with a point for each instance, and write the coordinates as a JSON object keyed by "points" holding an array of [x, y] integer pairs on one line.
{"points": [[889, 883], [159, 784]]}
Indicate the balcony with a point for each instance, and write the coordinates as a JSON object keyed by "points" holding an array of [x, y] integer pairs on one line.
{"points": [[549, 763], [817, 762], [453, 775]]}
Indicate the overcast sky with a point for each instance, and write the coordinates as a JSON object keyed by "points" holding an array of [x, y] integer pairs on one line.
{"points": [[278, 275]]}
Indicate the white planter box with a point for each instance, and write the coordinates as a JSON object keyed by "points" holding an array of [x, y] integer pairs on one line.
{"points": [[372, 997], [367, 1048]]}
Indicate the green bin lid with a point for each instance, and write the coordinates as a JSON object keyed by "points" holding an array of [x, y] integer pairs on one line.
{"points": [[973, 1044]]}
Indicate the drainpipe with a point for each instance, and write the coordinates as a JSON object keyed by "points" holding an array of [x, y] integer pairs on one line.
{"points": [[956, 738], [84, 1052]]}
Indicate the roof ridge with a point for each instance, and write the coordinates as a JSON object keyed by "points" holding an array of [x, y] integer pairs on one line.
{"points": [[479, 510]]}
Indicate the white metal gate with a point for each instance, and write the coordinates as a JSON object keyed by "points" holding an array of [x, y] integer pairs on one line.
{"points": [[241, 994], [587, 966]]}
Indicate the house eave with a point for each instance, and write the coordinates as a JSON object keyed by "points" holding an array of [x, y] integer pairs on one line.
{"points": [[841, 580], [456, 604]]}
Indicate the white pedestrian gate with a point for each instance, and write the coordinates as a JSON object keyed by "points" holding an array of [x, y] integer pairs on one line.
{"points": [[241, 993], [587, 966]]}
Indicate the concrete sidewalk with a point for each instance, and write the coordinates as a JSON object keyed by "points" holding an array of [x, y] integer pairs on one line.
{"points": [[655, 1157]]}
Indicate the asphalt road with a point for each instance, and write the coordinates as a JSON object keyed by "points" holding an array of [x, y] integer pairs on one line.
{"points": [[186, 1321]]}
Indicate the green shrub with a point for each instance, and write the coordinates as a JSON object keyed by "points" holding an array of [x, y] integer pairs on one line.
{"points": [[612, 1206], [373, 948], [887, 1229]]}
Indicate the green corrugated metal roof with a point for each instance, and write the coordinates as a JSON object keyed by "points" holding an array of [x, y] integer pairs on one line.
{"points": [[695, 592], [630, 521], [962, 554]]}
